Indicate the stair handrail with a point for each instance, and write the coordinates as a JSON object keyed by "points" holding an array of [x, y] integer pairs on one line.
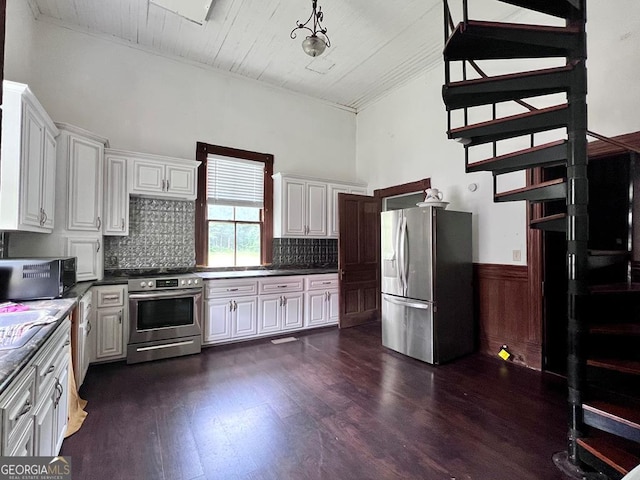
{"points": [[450, 27]]}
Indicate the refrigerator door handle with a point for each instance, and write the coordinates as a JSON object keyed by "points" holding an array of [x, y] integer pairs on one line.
{"points": [[407, 303], [397, 256], [403, 255]]}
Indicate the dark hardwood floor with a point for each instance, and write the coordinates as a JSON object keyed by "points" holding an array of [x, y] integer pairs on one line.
{"points": [[332, 405]]}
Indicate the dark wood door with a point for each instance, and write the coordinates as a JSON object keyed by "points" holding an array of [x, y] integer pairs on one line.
{"points": [[358, 263]]}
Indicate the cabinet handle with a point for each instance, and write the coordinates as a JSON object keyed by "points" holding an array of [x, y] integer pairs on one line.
{"points": [[25, 409], [88, 327], [98, 249], [164, 185], [110, 297], [281, 286], [50, 370], [235, 306], [326, 283], [123, 224], [167, 185], [99, 224], [231, 305], [59, 391], [232, 289], [120, 317], [280, 300]]}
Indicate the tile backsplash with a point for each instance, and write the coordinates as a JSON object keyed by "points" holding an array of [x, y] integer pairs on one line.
{"points": [[308, 252], [161, 235]]}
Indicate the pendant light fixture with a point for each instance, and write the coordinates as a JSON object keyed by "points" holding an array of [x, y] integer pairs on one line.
{"points": [[315, 43]]}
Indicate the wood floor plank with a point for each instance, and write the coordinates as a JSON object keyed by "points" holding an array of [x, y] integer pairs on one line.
{"points": [[334, 404]]}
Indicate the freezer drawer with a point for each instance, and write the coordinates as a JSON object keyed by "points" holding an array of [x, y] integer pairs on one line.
{"points": [[407, 327]]}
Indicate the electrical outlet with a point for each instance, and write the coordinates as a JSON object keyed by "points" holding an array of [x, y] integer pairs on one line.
{"points": [[517, 255]]}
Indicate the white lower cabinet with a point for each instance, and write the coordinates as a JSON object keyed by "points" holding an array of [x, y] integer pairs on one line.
{"points": [[110, 322], [279, 313], [244, 308], [34, 407], [321, 300]]}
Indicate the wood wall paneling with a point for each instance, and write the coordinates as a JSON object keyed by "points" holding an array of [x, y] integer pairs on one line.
{"points": [[503, 313]]}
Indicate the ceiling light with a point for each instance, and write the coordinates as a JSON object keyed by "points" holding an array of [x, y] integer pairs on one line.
{"points": [[315, 43]]}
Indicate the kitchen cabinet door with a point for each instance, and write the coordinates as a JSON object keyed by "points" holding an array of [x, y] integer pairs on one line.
{"points": [[269, 318], [33, 170], [292, 313], [109, 333], [86, 170], [181, 180], [245, 317], [316, 309], [333, 312], [49, 181], [294, 222], [44, 438], [148, 177], [61, 407], [116, 197], [316, 209], [90, 257], [217, 325]]}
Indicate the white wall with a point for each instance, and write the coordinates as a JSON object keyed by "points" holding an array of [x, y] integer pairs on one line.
{"points": [[147, 103], [402, 137]]}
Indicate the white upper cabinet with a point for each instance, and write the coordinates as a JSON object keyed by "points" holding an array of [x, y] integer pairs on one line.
{"points": [[27, 186], [81, 156], [304, 207], [116, 196], [161, 177]]}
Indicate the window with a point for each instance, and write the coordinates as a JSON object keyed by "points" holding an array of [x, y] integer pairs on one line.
{"points": [[234, 207]]}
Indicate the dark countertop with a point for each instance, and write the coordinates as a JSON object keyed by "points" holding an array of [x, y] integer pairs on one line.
{"points": [[265, 273], [227, 274], [12, 361]]}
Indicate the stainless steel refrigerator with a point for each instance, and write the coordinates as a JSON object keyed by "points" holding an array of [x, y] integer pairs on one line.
{"points": [[427, 296]]}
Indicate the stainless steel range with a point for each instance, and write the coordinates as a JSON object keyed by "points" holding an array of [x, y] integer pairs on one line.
{"points": [[165, 315]]}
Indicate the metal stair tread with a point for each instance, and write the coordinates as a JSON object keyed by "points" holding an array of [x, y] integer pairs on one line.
{"points": [[549, 190], [608, 452], [558, 8], [513, 125], [552, 223], [624, 366], [509, 162], [502, 88], [482, 40], [632, 329]]}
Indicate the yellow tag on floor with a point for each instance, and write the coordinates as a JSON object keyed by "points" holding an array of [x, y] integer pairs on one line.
{"points": [[503, 354]]}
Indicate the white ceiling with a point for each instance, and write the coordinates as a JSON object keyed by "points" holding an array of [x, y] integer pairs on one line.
{"points": [[376, 45]]}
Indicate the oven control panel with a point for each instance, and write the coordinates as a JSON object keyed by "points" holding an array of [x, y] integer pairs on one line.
{"points": [[165, 283]]}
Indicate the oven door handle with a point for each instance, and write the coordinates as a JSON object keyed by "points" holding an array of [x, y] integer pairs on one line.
{"points": [[165, 294]]}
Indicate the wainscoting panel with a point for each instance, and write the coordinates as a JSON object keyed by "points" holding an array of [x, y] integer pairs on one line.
{"points": [[503, 313]]}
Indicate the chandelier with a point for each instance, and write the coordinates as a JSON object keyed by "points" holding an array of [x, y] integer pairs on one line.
{"points": [[315, 43]]}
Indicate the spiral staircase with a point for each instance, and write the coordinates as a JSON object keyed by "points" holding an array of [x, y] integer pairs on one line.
{"points": [[604, 412]]}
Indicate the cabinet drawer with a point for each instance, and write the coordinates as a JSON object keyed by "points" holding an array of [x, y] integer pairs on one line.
{"points": [[321, 282], [110, 296], [49, 358], [230, 288], [282, 284], [16, 403]]}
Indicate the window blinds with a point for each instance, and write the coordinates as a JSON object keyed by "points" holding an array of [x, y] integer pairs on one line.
{"points": [[235, 182]]}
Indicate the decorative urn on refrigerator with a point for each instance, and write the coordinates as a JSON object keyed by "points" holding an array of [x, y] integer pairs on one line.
{"points": [[427, 309]]}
